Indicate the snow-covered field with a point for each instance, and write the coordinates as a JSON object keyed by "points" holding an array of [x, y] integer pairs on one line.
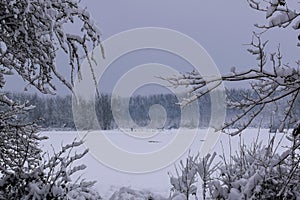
{"points": [[110, 180]]}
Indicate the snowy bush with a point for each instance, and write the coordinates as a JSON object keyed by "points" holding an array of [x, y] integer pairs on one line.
{"points": [[184, 182], [26, 173], [187, 174], [254, 172], [259, 172], [130, 194]]}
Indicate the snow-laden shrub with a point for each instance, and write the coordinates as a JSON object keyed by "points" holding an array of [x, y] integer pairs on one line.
{"points": [[259, 172], [28, 173], [254, 172], [184, 182], [187, 174], [51, 179], [127, 193]]}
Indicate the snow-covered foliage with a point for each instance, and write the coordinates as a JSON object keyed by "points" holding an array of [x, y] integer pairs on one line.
{"points": [[259, 172], [32, 32], [205, 169], [19, 140], [278, 13], [184, 182], [127, 193], [28, 173], [253, 172], [187, 174]]}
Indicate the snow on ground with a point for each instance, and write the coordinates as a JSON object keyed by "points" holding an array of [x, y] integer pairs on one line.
{"points": [[110, 180]]}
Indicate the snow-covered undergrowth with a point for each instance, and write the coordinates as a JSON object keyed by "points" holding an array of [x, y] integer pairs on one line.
{"points": [[113, 184], [127, 193], [264, 169]]}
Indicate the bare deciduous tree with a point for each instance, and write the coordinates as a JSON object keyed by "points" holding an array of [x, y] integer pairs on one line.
{"points": [[272, 80]]}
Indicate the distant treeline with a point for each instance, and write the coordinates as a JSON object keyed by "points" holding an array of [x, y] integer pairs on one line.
{"points": [[56, 111]]}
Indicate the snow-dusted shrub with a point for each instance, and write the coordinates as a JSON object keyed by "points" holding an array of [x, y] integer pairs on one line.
{"points": [[19, 140], [254, 172], [26, 173], [258, 172], [127, 193], [187, 174], [186, 177]]}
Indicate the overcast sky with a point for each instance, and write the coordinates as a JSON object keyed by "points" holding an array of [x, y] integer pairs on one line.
{"points": [[221, 27]]}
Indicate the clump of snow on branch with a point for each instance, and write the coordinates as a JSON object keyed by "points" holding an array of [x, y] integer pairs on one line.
{"points": [[278, 13]]}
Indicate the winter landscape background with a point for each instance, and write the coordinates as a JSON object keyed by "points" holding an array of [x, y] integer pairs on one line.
{"points": [[56, 112], [234, 58]]}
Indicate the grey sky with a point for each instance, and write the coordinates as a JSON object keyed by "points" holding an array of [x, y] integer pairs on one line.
{"points": [[221, 27]]}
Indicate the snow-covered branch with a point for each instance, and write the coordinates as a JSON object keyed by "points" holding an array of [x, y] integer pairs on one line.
{"points": [[33, 32], [278, 14], [271, 81]]}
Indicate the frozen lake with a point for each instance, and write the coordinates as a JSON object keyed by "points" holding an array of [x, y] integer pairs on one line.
{"points": [[110, 180]]}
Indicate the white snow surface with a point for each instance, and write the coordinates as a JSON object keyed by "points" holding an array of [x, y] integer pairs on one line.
{"points": [[110, 181]]}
